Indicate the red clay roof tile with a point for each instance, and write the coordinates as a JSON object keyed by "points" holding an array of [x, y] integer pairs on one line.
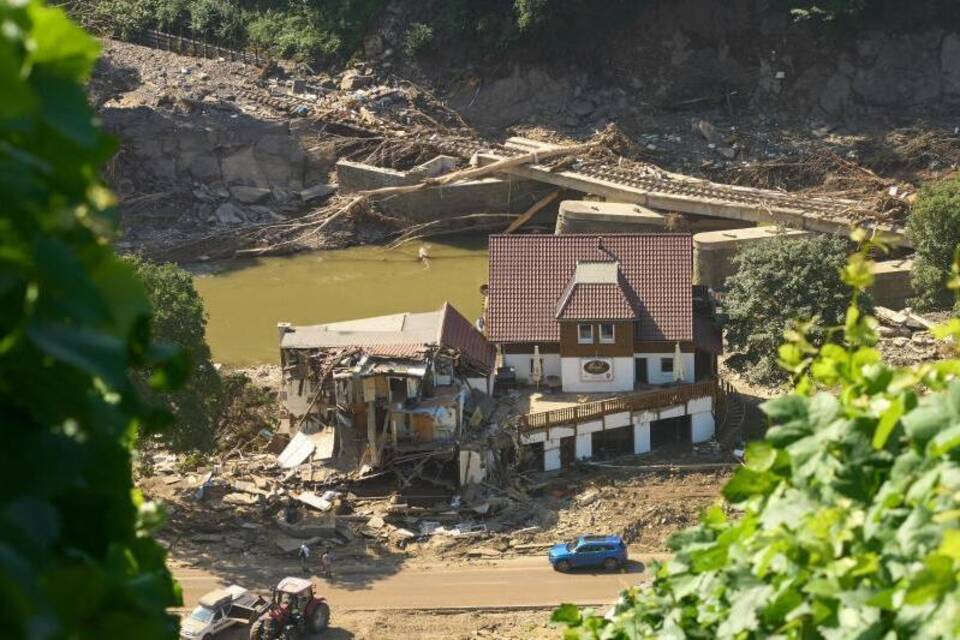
{"points": [[459, 333], [529, 275], [596, 301]]}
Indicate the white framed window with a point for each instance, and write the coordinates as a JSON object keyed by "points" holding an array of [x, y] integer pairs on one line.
{"points": [[666, 365], [585, 333], [607, 333]]}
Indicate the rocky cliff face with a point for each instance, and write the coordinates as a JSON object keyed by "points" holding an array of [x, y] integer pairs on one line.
{"points": [[887, 72], [192, 160], [697, 52], [210, 170]]}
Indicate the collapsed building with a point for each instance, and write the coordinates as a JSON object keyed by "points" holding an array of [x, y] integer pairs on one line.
{"points": [[366, 393]]}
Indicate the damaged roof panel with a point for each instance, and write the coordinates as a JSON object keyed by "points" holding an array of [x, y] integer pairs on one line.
{"points": [[416, 369], [396, 329], [402, 335], [458, 333]]}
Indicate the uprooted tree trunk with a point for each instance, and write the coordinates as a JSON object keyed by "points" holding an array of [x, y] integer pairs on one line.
{"points": [[305, 231], [302, 231]]}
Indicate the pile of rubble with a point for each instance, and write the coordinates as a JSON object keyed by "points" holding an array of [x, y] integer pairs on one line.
{"points": [[251, 507], [905, 338]]}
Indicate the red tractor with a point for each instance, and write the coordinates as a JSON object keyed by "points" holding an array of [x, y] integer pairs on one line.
{"points": [[294, 613]]}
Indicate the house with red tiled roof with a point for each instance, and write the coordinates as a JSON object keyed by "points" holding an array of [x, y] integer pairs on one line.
{"points": [[371, 387], [601, 314], [604, 312]]}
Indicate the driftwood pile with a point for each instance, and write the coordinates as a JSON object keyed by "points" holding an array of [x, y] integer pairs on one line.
{"points": [[308, 231]]}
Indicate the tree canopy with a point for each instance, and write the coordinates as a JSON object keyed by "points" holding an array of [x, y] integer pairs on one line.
{"points": [[777, 281], [842, 524], [178, 318], [934, 228], [76, 557]]}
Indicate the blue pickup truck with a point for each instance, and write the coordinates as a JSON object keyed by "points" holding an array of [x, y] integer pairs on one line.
{"points": [[608, 552]]}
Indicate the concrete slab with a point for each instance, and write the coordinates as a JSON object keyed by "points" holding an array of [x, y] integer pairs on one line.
{"points": [[713, 251], [891, 287], [615, 420], [662, 191], [673, 412], [435, 167], [585, 216]]}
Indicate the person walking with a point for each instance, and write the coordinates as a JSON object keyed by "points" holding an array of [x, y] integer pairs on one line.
{"points": [[304, 554], [325, 563]]}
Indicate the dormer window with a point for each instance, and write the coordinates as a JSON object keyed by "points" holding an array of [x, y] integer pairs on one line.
{"points": [[607, 333], [585, 333]]}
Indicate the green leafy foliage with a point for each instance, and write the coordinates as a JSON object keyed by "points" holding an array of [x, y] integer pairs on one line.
{"points": [[128, 18], [315, 29], [292, 35], [847, 512], [934, 227], [179, 319], [76, 557], [290, 28], [420, 39], [777, 281], [216, 20]]}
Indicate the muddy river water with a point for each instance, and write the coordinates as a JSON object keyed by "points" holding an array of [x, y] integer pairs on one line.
{"points": [[245, 300]]}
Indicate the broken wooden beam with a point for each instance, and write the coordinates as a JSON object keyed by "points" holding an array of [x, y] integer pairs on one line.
{"points": [[532, 211]]}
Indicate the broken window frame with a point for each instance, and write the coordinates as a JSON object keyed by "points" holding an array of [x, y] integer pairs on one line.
{"points": [[612, 338], [580, 333]]}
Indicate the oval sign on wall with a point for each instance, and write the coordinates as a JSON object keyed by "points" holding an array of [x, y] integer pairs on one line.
{"points": [[596, 367]]}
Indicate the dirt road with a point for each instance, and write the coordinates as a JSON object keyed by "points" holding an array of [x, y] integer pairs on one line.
{"points": [[514, 582]]}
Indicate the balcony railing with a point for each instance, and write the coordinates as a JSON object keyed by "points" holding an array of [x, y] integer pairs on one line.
{"points": [[638, 401]]}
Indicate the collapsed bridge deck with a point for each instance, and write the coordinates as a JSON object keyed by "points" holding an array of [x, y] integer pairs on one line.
{"points": [[634, 182]]}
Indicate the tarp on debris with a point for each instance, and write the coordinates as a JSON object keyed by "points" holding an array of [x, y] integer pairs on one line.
{"points": [[323, 503], [297, 452], [302, 446], [323, 442]]}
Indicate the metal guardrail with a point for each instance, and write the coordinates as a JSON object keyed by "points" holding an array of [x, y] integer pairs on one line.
{"points": [[197, 48], [632, 402]]}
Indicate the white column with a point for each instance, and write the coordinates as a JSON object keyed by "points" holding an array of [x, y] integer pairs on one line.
{"points": [[641, 437], [551, 459], [584, 446], [702, 426]]}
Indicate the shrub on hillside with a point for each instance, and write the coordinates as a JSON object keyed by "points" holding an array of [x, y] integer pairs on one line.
{"points": [[934, 228], [547, 28], [776, 282], [294, 35], [419, 39], [217, 20], [531, 13], [123, 18], [852, 16], [847, 515]]}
